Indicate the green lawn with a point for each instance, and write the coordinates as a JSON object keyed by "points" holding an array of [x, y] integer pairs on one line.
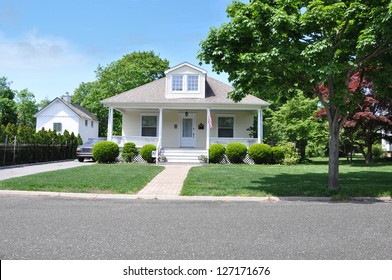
{"points": [[356, 179], [97, 178]]}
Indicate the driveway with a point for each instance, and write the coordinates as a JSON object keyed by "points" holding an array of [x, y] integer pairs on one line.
{"points": [[54, 228], [28, 169]]}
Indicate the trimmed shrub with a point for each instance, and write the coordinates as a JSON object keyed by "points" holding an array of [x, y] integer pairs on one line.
{"points": [[129, 151], [105, 151], [236, 152], [260, 153], [277, 154], [146, 152], [216, 153], [290, 154], [377, 151]]}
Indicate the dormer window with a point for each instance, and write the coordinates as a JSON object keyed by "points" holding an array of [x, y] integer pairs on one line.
{"points": [[185, 81], [177, 82], [188, 82], [193, 82]]}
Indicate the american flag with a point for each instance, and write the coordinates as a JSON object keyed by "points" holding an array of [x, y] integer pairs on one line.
{"points": [[209, 119]]}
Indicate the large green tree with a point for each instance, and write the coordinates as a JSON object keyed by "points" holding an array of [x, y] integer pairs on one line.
{"points": [[133, 70], [294, 122], [7, 103], [26, 108], [270, 47]]}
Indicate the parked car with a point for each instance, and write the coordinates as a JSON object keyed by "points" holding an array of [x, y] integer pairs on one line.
{"points": [[86, 150]]}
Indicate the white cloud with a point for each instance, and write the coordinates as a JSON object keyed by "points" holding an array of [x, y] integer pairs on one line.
{"points": [[47, 66], [35, 52]]}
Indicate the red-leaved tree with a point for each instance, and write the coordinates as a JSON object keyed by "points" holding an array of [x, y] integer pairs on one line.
{"points": [[370, 118]]}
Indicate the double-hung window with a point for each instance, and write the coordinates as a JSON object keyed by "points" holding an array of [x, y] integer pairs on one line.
{"points": [[193, 82], [57, 127], [177, 82], [226, 127], [185, 83], [149, 126]]}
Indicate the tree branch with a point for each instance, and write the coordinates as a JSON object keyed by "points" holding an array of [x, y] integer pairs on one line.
{"points": [[340, 34], [376, 52]]}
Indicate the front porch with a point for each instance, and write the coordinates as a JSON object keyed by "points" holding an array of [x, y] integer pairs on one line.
{"points": [[141, 141], [180, 155], [177, 132]]}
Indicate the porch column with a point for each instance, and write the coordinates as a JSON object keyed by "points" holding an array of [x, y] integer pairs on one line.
{"points": [[160, 128], [259, 126], [110, 124], [208, 127]]}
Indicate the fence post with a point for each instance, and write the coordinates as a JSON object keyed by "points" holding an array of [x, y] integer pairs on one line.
{"points": [[14, 159], [5, 148]]}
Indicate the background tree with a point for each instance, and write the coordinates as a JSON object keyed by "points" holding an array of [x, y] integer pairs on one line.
{"points": [[271, 47], [368, 123], [370, 118], [7, 103], [26, 108], [133, 70], [294, 122], [43, 103]]}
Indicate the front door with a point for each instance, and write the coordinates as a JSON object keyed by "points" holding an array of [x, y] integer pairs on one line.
{"points": [[188, 130]]}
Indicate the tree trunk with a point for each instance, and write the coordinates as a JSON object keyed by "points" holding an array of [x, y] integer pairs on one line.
{"points": [[302, 149], [369, 154], [333, 164]]}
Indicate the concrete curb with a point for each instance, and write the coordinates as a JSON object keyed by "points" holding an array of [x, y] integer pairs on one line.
{"points": [[95, 196]]}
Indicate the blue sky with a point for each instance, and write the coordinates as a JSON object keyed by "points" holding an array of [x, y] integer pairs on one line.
{"points": [[50, 47]]}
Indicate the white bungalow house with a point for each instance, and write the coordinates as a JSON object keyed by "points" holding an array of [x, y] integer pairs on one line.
{"points": [[183, 114], [60, 115], [387, 145]]}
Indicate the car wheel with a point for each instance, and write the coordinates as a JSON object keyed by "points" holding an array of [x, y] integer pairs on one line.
{"points": [[80, 159]]}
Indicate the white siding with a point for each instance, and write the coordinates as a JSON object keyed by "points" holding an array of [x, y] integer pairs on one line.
{"points": [[186, 70], [386, 146], [57, 112], [88, 131], [172, 129]]}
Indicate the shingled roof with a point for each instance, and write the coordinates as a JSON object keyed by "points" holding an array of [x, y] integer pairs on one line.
{"points": [[154, 92]]}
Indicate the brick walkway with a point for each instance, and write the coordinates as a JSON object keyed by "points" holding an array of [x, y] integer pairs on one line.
{"points": [[167, 183]]}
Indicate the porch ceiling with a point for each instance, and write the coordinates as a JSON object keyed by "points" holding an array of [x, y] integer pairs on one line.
{"points": [[166, 106]]}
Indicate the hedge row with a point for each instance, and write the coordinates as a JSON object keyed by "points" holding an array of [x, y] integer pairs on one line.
{"points": [[259, 153], [21, 144], [27, 135], [107, 152]]}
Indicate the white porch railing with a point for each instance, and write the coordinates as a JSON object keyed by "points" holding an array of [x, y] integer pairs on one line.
{"points": [[138, 140], [225, 141], [141, 141]]}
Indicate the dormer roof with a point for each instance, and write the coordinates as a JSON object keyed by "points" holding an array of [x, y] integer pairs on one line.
{"points": [[168, 71]]}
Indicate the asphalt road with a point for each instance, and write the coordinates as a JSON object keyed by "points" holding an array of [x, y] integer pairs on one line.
{"points": [[60, 228]]}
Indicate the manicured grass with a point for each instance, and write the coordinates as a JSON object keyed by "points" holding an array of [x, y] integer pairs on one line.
{"points": [[97, 178], [356, 179]]}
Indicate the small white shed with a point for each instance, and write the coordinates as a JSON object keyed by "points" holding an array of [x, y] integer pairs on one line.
{"points": [[61, 114]]}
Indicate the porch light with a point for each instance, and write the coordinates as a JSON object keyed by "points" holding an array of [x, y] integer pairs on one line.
{"points": [[186, 113]]}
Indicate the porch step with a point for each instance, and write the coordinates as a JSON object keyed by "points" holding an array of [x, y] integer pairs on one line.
{"points": [[183, 155]]}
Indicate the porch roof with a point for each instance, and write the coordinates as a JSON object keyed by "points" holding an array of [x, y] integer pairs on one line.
{"points": [[154, 94]]}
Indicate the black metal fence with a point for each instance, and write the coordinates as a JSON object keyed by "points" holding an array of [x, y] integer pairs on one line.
{"points": [[12, 152]]}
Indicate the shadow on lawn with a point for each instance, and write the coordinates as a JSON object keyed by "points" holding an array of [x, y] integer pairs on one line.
{"points": [[352, 184], [356, 162]]}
